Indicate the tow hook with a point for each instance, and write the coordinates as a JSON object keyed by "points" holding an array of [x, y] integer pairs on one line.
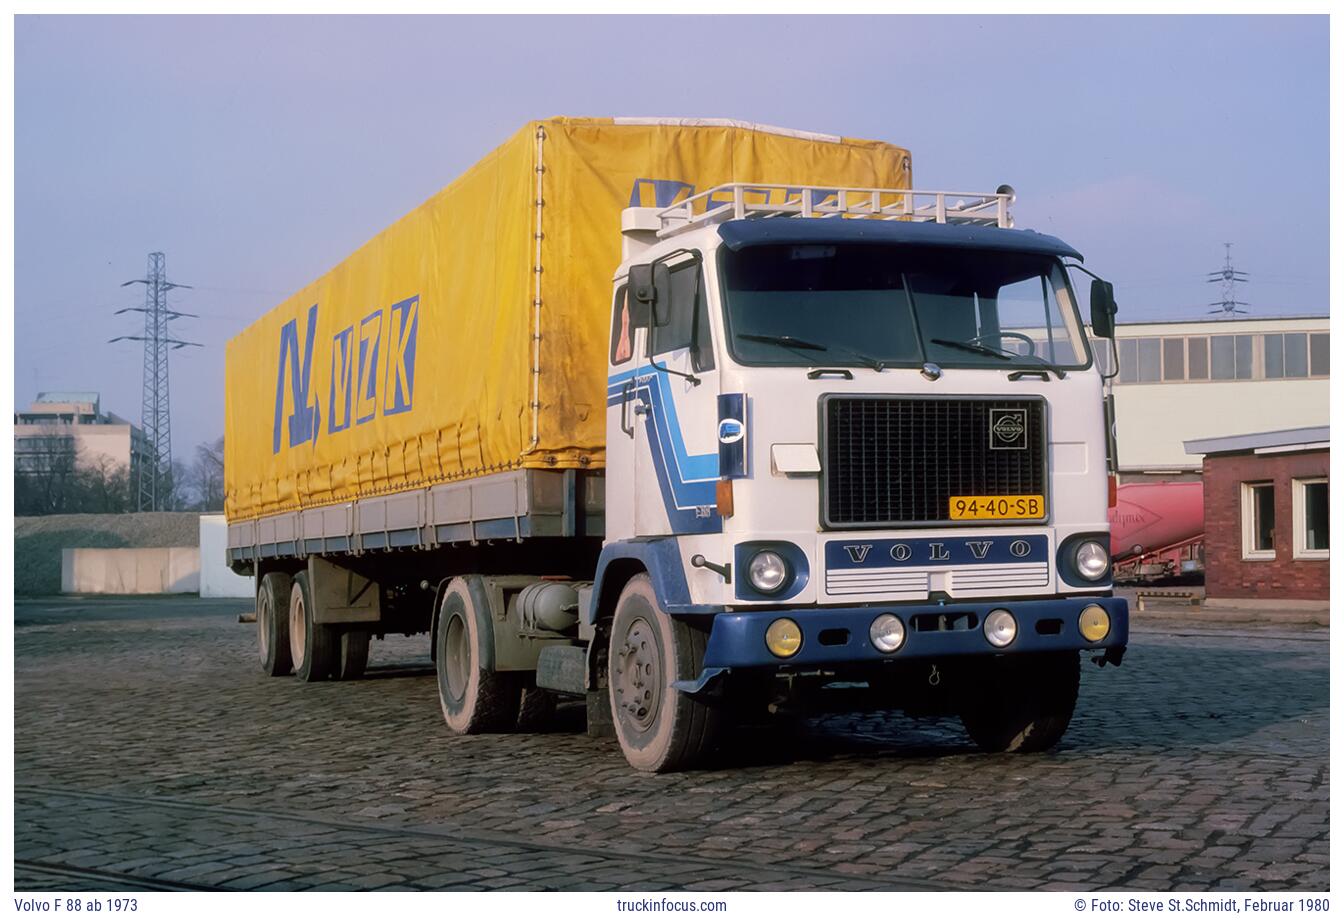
{"points": [[1112, 656], [934, 677]]}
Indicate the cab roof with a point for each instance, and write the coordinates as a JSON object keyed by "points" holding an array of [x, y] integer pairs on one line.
{"points": [[740, 234]]}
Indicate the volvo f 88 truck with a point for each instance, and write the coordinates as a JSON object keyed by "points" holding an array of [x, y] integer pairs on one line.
{"points": [[801, 445]]}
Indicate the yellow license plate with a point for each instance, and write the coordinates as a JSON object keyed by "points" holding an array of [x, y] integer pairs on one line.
{"points": [[995, 507]]}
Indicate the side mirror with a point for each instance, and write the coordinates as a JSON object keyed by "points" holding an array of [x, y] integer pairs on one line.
{"points": [[1103, 309], [648, 288]]}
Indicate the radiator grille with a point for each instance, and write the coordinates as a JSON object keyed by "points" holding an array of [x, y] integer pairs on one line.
{"points": [[899, 460]]}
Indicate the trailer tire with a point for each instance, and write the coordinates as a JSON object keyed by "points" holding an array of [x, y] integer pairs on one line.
{"points": [[475, 698], [314, 647], [660, 729], [273, 624], [1021, 703], [354, 656]]}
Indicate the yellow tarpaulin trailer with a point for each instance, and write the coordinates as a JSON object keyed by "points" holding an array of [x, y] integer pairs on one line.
{"points": [[470, 336]]}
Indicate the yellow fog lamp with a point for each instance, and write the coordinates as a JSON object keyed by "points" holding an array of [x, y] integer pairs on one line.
{"points": [[1094, 623], [784, 638]]}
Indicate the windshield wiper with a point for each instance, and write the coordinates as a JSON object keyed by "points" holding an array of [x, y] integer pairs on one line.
{"points": [[789, 341], [1001, 355], [973, 347]]}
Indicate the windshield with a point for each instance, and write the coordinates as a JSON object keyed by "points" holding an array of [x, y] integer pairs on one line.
{"points": [[876, 305]]}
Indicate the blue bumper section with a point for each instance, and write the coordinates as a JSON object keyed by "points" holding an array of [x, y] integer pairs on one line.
{"points": [[839, 635]]}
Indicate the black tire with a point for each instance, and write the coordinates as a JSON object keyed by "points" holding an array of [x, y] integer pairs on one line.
{"points": [[660, 729], [273, 624], [1021, 703], [475, 698], [354, 655], [536, 709], [314, 647]]}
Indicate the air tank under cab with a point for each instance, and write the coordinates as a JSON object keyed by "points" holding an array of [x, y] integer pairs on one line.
{"points": [[854, 453]]}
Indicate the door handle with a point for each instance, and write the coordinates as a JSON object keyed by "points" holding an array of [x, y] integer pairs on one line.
{"points": [[626, 425]]}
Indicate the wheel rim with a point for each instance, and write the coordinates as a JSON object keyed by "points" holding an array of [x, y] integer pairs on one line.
{"points": [[264, 615], [457, 657], [637, 671], [298, 633]]}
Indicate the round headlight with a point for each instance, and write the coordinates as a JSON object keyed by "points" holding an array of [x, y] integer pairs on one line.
{"points": [[887, 633], [784, 638], [767, 571], [1000, 628], [1092, 560], [1094, 623]]}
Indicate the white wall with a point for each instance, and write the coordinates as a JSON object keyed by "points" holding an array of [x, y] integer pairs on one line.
{"points": [[142, 570], [1153, 420], [217, 579]]}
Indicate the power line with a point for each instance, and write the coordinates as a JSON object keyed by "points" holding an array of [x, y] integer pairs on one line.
{"points": [[156, 469]]}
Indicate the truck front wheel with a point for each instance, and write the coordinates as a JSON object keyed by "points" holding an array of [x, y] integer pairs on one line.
{"points": [[660, 728], [474, 696], [273, 624], [1020, 703]]}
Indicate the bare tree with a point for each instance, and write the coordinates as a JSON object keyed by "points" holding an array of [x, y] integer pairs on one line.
{"points": [[44, 473], [206, 475]]}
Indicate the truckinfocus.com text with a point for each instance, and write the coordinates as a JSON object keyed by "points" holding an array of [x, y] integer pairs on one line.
{"points": [[658, 905]]}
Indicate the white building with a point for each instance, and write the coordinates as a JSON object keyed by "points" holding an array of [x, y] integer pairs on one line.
{"points": [[61, 422], [1183, 381]]}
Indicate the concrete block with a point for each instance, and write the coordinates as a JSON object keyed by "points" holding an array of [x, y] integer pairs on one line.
{"points": [[217, 579]]}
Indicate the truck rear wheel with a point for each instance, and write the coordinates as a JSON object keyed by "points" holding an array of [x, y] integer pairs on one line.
{"points": [[1021, 703], [660, 728], [314, 647], [273, 624], [474, 696], [354, 657]]}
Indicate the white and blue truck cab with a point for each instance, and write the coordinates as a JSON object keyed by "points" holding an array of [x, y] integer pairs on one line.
{"points": [[857, 455]]}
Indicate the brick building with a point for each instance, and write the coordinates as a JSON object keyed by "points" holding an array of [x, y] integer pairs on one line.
{"points": [[1267, 515]]}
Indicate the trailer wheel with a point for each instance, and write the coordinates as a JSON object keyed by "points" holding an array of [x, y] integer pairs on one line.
{"points": [[314, 647], [354, 656], [474, 696], [660, 728], [273, 624], [1021, 704]]}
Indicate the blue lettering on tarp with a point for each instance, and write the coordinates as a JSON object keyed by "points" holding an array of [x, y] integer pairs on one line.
{"points": [[366, 394], [360, 363], [338, 406], [304, 419], [399, 388], [663, 192]]}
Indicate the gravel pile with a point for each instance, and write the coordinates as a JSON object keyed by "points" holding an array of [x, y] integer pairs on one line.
{"points": [[38, 541]]}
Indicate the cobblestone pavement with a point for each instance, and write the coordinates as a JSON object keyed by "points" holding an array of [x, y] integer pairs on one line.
{"points": [[150, 752]]}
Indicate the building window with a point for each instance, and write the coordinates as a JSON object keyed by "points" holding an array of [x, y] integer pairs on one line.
{"points": [[1173, 359], [1129, 360], [1150, 360], [1101, 350], [1320, 354], [1257, 520], [1295, 354], [1311, 519], [1199, 358], [1245, 352], [1273, 357]]}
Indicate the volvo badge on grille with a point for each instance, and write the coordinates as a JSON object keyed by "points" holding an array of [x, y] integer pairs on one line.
{"points": [[1008, 429]]}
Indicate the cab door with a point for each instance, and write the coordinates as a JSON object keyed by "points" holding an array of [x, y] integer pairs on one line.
{"points": [[674, 405]]}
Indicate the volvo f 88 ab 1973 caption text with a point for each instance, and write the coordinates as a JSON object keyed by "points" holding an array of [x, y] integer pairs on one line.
{"points": [[689, 419]]}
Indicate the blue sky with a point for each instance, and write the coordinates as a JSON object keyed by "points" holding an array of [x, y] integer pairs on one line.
{"points": [[259, 151]]}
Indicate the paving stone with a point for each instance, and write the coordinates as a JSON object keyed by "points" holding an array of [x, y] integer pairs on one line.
{"points": [[208, 773]]}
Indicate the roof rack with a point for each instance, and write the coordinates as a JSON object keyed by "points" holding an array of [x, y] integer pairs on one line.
{"points": [[741, 200]]}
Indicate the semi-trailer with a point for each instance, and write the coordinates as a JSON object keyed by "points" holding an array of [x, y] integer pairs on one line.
{"points": [[688, 419]]}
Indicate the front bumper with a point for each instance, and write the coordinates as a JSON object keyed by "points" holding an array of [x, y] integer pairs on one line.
{"points": [[839, 635]]}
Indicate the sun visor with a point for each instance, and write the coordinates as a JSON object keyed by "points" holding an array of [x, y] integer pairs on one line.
{"points": [[740, 234]]}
